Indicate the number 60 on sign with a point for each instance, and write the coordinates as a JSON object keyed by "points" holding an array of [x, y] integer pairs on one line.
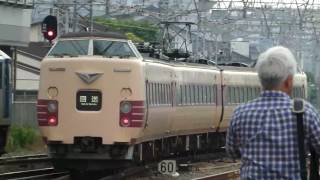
{"points": [[167, 167]]}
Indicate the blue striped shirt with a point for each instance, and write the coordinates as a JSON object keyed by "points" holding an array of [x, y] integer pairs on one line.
{"points": [[263, 133]]}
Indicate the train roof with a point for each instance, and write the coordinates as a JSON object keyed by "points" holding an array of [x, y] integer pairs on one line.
{"points": [[114, 35]]}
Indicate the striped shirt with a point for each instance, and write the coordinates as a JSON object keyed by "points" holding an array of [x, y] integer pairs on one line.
{"points": [[263, 133]]}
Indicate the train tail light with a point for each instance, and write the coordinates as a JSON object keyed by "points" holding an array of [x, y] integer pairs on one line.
{"points": [[125, 122], [47, 112], [131, 113]]}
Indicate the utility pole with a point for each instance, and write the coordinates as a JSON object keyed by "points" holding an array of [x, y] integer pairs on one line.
{"points": [[107, 11], [91, 17]]}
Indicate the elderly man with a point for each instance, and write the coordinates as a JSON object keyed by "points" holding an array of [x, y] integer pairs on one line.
{"points": [[263, 132]]}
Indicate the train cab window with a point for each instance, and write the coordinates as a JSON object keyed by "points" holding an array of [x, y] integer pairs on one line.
{"points": [[70, 48], [112, 48]]}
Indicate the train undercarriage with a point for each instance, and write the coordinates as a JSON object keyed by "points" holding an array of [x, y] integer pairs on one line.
{"points": [[89, 154]]}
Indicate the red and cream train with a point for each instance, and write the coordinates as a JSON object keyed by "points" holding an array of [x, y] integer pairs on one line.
{"points": [[101, 102]]}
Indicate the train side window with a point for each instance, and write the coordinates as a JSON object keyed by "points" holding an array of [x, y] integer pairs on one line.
{"points": [[169, 93], [164, 90], [148, 93], [165, 94], [161, 93], [238, 95], [195, 90], [208, 94], [204, 96], [151, 93], [213, 91], [190, 94], [156, 94], [231, 94], [200, 94], [178, 95], [187, 94], [245, 94], [182, 94], [250, 93], [258, 90]]}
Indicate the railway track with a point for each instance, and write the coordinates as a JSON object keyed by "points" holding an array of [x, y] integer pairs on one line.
{"points": [[23, 163], [215, 169], [229, 175], [44, 173], [23, 159]]}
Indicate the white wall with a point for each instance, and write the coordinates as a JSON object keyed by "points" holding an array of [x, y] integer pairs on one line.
{"points": [[25, 79], [241, 47], [15, 26], [36, 34]]}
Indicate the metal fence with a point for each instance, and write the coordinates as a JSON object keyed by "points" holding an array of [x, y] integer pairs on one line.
{"points": [[24, 113]]}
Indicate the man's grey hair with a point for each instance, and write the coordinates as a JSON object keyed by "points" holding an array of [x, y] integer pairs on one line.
{"points": [[274, 66]]}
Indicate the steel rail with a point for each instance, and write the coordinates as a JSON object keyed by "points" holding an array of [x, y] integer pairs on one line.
{"points": [[24, 159], [33, 174], [229, 175]]}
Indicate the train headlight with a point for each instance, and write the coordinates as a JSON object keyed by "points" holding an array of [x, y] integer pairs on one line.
{"points": [[125, 107], [52, 106]]}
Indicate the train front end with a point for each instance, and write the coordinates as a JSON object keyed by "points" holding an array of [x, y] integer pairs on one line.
{"points": [[90, 103]]}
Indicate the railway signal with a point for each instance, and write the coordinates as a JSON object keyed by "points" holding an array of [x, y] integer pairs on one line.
{"points": [[49, 27]]}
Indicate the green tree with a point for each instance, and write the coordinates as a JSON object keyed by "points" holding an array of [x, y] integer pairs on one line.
{"points": [[312, 89], [133, 37], [143, 30]]}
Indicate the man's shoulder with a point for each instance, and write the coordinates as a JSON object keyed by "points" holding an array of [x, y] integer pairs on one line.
{"points": [[309, 108]]}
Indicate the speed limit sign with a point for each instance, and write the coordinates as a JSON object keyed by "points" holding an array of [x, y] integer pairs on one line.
{"points": [[167, 167]]}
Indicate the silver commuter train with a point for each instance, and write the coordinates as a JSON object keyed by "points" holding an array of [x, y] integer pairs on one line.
{"points": [[5, 98], [100, 103]]}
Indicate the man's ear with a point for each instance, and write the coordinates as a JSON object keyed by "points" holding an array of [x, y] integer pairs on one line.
{"points": [[288, 83]]}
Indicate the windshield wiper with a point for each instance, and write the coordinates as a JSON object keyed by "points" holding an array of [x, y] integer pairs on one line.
{"points": [[56, 55], [68, 54], [124, 56]]}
